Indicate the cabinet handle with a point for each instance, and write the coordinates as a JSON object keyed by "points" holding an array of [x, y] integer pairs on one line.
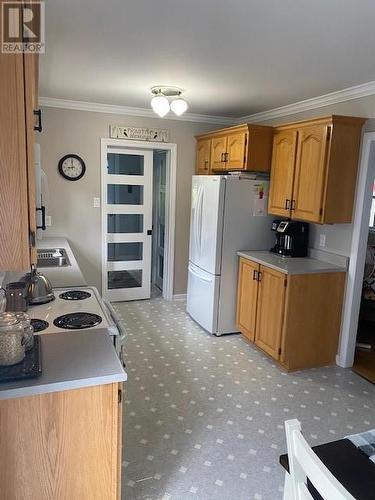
{"points": [[260, 276], [293, 205], [222, 156], [287, 204], [38, 113], [255, 275], [226, 157], [43, 210], [205, 164]]}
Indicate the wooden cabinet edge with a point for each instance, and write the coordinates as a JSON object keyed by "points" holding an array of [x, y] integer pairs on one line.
{"points": [[233, 129], [328, 119]]}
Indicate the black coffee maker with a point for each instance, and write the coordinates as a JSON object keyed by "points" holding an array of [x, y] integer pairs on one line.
{"points": [[292, 238]]}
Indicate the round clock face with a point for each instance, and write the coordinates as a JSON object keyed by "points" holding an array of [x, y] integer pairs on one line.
{"points": [[72, 167]]}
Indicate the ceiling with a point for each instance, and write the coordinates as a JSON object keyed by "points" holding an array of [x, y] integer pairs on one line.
{"points": [[234, 58]]}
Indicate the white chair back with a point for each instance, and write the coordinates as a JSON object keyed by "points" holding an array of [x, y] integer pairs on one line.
{"points": [[303, 464]]}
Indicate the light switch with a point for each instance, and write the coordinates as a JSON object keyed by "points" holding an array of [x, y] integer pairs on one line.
{"points": [[48, 220], [322, 240], [96, 202]]}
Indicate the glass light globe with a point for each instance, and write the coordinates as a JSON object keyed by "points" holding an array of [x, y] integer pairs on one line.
{"points": [[179, 106], [160, 105]]}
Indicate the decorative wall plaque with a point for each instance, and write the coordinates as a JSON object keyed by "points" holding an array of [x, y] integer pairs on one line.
{"points": [[139, 133]]}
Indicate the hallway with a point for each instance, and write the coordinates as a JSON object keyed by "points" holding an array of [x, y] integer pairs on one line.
{"points": [[204, 416]]}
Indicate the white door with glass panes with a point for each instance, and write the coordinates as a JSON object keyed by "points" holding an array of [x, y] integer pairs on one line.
{"points": [[127, 224], [160, 169]]}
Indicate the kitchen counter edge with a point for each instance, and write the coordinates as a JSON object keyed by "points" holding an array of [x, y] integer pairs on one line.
{"points": [[291, 265], [70, 361]]}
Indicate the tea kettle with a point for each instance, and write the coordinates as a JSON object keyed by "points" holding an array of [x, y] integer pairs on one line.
{"points": [[38, 287]]}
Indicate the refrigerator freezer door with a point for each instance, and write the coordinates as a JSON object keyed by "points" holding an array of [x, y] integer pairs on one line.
{"points": [[207, 208], [203, 298]]}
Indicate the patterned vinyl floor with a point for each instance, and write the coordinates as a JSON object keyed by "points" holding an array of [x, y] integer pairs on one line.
{"points": [[203, 416]]}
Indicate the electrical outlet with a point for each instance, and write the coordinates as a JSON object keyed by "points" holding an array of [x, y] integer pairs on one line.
{"points": [[96, 202], [48, 220], [322, 240]]}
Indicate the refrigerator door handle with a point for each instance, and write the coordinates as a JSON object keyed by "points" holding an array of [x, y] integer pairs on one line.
{"points": [[199, 275], [199, 233], [196, 216]]}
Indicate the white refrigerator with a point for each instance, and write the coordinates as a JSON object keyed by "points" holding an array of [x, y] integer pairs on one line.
{"points": [[228, 214]]}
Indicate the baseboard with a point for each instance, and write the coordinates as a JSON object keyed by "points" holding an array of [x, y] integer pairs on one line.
{"points": [[179, 296]]}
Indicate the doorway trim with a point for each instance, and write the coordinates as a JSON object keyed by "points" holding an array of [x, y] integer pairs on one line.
{"points": [[170, 205], [352, 300]]}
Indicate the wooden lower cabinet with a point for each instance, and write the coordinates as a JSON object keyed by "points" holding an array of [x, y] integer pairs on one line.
{"points": [[247, 298], [62, 445], [270, 310], [295, 319]]}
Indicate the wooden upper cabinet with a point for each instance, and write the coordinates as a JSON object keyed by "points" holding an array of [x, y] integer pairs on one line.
{"points": [[17, 178], [247, 293], [325, 170], [236, 151], [270, 311], [203, 156], [282, 172], [218, 150], [311, 164], [243, 147]]}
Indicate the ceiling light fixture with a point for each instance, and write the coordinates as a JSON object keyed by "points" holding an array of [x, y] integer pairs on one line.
{"points": [[160, 103]]}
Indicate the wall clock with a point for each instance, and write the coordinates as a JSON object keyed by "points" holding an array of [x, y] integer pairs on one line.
{"points": [[72, 167]]}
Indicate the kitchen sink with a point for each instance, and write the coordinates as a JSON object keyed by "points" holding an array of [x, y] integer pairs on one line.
{"points": [[52, 257]]}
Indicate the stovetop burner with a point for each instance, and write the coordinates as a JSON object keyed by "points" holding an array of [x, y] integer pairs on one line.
{"points": [[77, 320], [75, 295], [39, 325]]}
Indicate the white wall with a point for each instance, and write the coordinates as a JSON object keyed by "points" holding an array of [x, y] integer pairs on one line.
{"points": [[71, 203]]}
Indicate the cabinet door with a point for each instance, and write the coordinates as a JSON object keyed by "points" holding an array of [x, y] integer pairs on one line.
{"points": [[310, 174], [282, 172], [70, 450], [270, 311], [203, 156], [14, 209], [247, 298], [218, 150], [236, 151]]}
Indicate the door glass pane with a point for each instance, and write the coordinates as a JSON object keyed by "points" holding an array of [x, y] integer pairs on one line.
{"points": [[162, 203], [125, 279], [161, 236], [125, 223], [161, 266], [124, 194], [121, 164], [125, 251]]}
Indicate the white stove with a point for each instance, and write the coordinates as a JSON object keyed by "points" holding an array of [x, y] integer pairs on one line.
{"points": [[78, 309], [77, 300]]}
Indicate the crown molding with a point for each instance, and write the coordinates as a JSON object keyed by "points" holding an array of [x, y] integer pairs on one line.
{"points": [[348, 94], [52, 102]]}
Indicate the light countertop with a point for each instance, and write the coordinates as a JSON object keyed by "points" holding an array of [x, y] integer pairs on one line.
{"points": [[60, 277], [291, 265], [71, 360]]}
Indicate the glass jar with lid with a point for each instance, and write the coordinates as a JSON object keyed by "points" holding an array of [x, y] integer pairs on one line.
{"points": [[12, 339], [24, 319]]}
